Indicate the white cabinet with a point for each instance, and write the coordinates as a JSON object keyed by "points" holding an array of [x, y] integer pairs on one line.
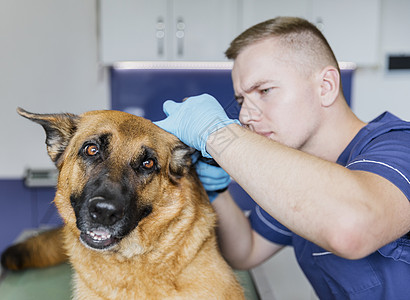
{"points": [[350, 26], [197, 30], [143, 30], [133, 30]]}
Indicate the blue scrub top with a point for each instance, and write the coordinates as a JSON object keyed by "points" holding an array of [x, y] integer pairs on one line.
{"points": [[381, 147]]}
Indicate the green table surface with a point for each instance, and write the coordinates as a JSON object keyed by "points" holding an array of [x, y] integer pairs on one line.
{"points": [[54, 283]]}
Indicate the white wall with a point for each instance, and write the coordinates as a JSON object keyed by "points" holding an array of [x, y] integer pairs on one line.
{"points": [[48, 63], [376, 90]]}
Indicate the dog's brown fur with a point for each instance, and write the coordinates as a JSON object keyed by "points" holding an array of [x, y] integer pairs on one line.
{"points": [[39, 251], [171, 253]]}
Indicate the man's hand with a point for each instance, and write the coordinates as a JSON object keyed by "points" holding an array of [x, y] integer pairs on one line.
{"points": [[214, 179], [193, 120]]}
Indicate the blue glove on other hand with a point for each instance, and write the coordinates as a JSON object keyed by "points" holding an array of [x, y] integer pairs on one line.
{"points": [[193, 120], [213, 178]]}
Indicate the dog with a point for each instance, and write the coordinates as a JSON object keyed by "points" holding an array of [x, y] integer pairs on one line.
{"points": [[137, 221]]}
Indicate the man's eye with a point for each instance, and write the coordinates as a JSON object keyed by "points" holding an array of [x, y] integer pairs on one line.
{"points": [[91, 150], [239, 100], [266, 91]]}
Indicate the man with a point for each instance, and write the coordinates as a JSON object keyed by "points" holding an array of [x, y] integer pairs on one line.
{"points": [[333, 187]]}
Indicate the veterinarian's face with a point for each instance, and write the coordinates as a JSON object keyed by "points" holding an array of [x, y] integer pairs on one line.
{"points": [[277, 100]]}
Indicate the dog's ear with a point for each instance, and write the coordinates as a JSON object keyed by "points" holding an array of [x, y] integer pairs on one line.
{"points": [[180, 161], [59, 129]]}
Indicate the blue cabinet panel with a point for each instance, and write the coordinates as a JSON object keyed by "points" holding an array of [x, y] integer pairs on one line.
{"points": [[143, 91]]}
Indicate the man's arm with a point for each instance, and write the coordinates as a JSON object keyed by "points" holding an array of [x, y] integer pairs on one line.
{"points": [[241, 246], [350, 213]]}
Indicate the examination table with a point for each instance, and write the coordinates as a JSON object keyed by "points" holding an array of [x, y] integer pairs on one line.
{"points": [[54, 283]]}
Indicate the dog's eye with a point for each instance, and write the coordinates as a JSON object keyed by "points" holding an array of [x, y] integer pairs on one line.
{"points": [[148, 164], [91, 150]]}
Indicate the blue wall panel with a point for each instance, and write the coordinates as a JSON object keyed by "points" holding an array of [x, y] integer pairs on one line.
{"points": [[23, 208]]}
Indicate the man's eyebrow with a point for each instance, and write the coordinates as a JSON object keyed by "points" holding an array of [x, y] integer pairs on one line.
{"points": [[257, 84], [253, 87]]}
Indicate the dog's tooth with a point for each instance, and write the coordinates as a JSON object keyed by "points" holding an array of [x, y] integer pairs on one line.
{"points": [[99, 235]]}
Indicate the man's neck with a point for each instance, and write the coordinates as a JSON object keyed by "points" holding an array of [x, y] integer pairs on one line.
{"points": [[339, 126]]}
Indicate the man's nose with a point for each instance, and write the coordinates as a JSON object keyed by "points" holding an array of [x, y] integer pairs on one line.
{"points": [[250, 112]]}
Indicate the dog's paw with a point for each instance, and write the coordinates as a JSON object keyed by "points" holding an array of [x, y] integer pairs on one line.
{"points": [[13, 258]]}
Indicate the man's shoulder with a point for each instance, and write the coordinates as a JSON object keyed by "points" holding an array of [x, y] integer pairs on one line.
{"points": [[383, 124]]}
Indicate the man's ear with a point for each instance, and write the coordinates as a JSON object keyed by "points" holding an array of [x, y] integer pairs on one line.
{"points": [[180, 162], [59, 129], [330, 85]]}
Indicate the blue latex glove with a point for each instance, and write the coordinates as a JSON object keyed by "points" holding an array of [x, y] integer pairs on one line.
{"points": [[213, 178], [193, 120]]}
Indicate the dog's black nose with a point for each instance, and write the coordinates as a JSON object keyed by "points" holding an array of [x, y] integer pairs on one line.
{"points": [[104, 211]]}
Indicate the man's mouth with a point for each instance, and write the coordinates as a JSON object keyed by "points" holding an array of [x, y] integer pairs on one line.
{"points": [[98, 239], [267, 134]]}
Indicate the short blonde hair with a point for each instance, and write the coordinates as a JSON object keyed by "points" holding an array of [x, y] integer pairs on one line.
{"points": [[296, 35]]}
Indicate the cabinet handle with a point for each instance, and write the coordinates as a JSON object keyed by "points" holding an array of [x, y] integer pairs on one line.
{"points": [[180, 34], [160, 35], [320, 24]]}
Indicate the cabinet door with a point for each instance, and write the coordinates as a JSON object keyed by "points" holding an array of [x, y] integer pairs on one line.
{"points": [[254, 12], [143, 30], [133, 30], [351, 27], [203, 30]]}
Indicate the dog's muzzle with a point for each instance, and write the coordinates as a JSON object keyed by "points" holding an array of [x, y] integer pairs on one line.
{"points": [[103, 213], [107, 211]]}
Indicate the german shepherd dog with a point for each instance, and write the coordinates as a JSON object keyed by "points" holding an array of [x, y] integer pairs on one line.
{"points": [[137, 221]]}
